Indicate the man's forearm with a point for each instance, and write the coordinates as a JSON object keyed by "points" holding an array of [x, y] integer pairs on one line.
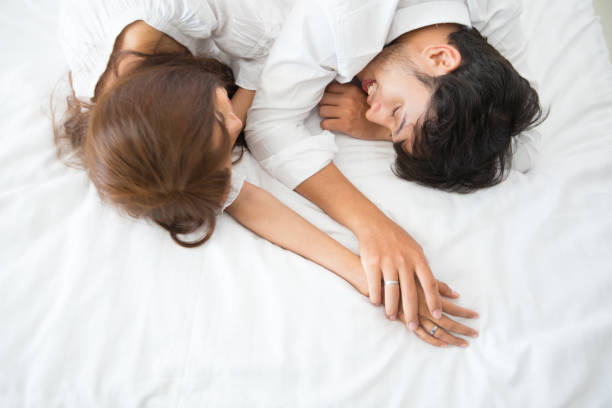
{"points": [[336, 195]]}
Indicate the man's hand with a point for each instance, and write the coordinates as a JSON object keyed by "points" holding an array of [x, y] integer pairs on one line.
{"points": [[388, 253], [386, 250], [343, 108]]}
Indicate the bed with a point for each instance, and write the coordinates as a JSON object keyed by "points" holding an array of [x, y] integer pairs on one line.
{"points": [[99, 310]]}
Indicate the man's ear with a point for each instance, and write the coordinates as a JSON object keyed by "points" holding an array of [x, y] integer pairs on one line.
{"points": [[442, 59]]}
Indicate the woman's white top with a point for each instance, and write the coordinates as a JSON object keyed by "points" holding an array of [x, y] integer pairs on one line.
{"points": [[236, 32]]}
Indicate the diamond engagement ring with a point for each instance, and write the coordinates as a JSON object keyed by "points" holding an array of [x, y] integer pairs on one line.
{"points": [[391, 283], [433, 330]]}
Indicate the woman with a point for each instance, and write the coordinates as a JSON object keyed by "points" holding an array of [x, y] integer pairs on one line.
{"points": [[157, 135]]}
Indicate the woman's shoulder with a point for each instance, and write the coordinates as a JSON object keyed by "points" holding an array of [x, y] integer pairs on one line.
{"points": [[141, 37], [89, 29]]}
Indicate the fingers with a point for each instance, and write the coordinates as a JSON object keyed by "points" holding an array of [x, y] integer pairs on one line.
{"points": [[442, 334], [329, 111], [330, 99], [392, 291], [392, 297], [446, 290], [452, 326], [430, 287], [374, 277], [335, 87], [335, 125], [337, 94], [410, 303], [456, 310], [426, 337]]}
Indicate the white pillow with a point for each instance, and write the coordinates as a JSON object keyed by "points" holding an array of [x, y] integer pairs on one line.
{"points": [[500, 22]]}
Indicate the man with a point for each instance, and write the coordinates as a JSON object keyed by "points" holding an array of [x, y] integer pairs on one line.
{"points": [[446, 98]]}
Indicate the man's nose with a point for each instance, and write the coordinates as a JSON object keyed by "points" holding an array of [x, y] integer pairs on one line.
{"points": [[372, 113], [376, 114]]}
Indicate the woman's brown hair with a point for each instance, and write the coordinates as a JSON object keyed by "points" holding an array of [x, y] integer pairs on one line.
{"points": [[148, 142]]}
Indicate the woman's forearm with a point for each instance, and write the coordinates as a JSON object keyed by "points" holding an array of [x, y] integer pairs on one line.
{"points": [[265, 215]]}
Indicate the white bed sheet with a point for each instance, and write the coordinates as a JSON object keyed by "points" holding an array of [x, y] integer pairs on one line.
{"points": [[98, 310]]}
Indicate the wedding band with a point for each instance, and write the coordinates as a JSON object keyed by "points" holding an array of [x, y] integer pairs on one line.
{"points": [[391, 283], [433, 330]]}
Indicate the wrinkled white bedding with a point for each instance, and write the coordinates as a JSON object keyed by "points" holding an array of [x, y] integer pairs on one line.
{"points": [[100, 310]]}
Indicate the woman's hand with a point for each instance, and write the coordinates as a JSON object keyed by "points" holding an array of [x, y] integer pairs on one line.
{"points": [[343, 108], [442, 336]]}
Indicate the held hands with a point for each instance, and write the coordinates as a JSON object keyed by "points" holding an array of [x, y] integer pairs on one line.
{"points": [[437, 332], [343, 109], [388, 253]]}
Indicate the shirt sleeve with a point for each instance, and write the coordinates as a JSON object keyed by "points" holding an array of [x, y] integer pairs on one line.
{"points": [[247, 72], [300, 65], [184, 20]]}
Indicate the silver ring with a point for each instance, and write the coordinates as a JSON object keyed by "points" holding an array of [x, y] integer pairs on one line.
{"points": [[433, 330], [391, 283]]}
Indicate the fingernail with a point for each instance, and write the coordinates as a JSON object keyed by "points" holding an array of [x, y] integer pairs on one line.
{"points": [[474, 335], [437, 313], [464, 345], [456, 294], [412, 326], [392, 317], [444, 345]]}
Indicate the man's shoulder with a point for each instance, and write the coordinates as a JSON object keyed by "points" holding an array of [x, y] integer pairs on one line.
{"points": [[360, 26], [342, 8]]}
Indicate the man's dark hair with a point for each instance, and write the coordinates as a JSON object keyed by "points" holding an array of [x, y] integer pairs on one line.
{"points": [[465, 139]]}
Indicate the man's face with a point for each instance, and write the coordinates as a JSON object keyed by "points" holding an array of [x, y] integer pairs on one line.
{"points": [[396, 80], [398, 99]]}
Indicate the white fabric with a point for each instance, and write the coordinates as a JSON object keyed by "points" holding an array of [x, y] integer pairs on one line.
{"points": [[99, 310], [337, 46], [413, 14], [237, 32]]}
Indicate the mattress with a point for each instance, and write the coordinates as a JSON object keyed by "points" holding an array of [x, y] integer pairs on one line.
{"points": [[100, 310]]}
